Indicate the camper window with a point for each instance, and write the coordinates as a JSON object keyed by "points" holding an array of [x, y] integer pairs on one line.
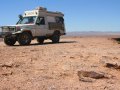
{"points": [[59, 20]]}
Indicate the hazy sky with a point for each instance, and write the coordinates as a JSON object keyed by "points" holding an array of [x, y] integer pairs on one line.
{"points": [[80, 15]]}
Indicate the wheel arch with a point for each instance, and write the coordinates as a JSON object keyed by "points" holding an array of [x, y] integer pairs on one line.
{"points": [[57, 32], [28, 31]]}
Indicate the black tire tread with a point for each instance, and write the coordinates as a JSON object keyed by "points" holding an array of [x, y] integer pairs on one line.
{"points": [[10, 41], [22, 42]]}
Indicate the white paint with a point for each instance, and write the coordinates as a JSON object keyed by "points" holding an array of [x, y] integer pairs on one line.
{"points": [[31, 13], [50, 19], [0, 30]]}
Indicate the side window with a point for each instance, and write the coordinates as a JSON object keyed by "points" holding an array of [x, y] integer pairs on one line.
{"points": [[59, 20], [40, 21]]}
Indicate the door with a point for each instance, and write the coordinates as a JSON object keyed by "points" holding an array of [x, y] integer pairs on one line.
{"points": [[40, 27]]}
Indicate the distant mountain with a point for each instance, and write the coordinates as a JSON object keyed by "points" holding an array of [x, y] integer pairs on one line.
{"points": [[89, 33], [92, 33], [0, 32], [0, 29]]}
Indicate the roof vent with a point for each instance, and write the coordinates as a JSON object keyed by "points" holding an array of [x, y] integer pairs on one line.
{"points": [[41, 8]]}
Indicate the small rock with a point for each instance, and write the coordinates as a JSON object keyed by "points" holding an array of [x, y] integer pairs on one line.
{"points": [[63, 56], [115, 58], [110, 65], [72, 57], [9, 65], [6, 65], [90, 74], [85, 80], [7, 73]]}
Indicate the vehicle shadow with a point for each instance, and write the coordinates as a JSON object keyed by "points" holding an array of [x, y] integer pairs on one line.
{"points": [[117, 39], [47, 43]]}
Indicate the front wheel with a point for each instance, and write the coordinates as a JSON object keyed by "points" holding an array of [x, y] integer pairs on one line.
{"points": [[9, 40], [24, 38]]}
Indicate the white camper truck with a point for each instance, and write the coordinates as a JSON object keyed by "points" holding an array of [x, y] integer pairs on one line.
{"points": [[39, 23]]}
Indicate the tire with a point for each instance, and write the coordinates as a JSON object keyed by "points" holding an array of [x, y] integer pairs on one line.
{"points": [[55, 38], [24, 38], [9, 40], [40, 40]]}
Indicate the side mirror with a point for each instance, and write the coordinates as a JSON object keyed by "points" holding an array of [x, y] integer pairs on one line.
{"points": [[37, 22], [20, 17]]}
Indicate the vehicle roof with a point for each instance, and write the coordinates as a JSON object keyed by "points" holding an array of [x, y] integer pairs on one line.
{"points": [[42, 11]]}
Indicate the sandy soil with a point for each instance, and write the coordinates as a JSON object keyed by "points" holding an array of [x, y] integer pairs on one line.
{"points": [[55, 66]]}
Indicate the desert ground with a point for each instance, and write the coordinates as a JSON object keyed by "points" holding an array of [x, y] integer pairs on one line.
{"points": [[56, 66]]}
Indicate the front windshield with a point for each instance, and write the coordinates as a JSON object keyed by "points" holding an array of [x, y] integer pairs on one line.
{"points": [[27, 20]]}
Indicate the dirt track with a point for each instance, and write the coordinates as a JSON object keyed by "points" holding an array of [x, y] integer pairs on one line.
{"points": [[55, 66]]}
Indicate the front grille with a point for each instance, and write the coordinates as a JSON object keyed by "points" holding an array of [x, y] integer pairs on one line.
{"points": [[8, 29]]}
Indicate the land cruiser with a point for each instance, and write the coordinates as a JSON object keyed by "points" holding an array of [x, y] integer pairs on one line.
{"points": [[39, 23]]}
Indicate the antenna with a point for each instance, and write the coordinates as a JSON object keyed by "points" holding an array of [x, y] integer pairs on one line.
{"points": [[39, 3]]}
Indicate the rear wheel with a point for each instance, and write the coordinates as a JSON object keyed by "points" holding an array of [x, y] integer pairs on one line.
{"points": [[24, 38], [9, 40], [55, 38], [40, 40]]}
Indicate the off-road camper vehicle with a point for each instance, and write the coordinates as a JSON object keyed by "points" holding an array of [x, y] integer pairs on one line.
{"points": [[39, 23]]}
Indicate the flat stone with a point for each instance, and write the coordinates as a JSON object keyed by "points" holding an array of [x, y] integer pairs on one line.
{"points": [[110, 65], [90, 74]]}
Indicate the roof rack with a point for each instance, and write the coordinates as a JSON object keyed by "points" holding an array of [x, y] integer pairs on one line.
{"points": [[41, 8]]}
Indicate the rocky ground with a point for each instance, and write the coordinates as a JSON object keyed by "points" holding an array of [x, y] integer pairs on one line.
{"points": [[76, 63]]}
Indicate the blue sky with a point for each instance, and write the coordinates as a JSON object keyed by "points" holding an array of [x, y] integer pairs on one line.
{"points": [[80, 15]]}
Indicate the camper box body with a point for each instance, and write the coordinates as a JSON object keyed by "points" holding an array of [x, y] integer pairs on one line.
{"points": [[53, 21]]}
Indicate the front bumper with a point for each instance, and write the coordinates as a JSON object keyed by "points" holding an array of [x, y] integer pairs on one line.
{"points": [[5, 31], [3, 34]]}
